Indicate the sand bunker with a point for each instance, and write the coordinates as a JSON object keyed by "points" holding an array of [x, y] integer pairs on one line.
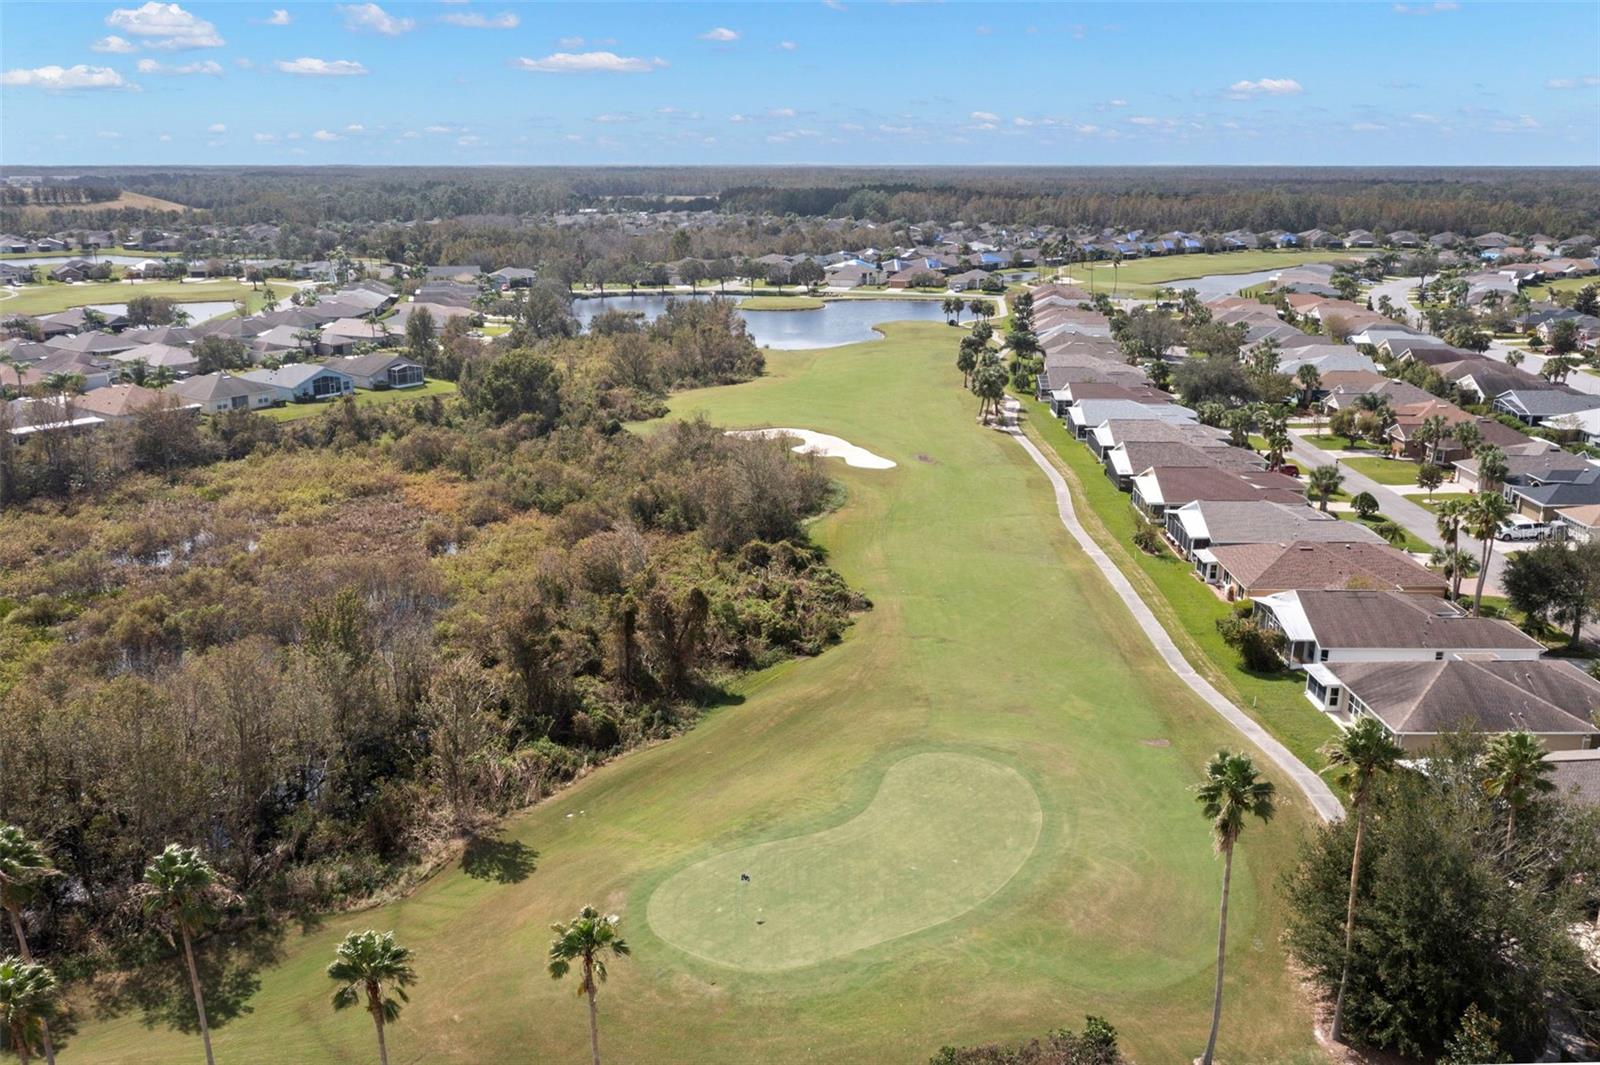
{"points": [[829, 447]]}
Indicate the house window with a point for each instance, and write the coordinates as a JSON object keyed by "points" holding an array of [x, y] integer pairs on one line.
{"points": [[1322, 656], [237, 402], [1438, 656]]}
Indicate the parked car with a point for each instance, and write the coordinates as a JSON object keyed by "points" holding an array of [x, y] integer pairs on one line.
{"points": [[1518, 527]]}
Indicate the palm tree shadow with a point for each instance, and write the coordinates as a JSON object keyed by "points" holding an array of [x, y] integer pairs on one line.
{"points": [[504, 861], [158, 988]]}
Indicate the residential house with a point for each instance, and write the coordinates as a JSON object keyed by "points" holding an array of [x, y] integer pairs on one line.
{"points": [[854, 273], [380, 371], [1417, 702], [181, 361], [1539, 408], [1543, 502], [301, 382], [1580, 524], [1196, 527], [1163, 488], [1544, 467], [1329, 627], [116, 404], [215, 393], [1250, 571], [1129, 458], [1085, 415]]}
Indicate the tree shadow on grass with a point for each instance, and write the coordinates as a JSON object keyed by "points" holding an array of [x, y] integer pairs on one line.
{"points": [[158, 987], [504, 861]]}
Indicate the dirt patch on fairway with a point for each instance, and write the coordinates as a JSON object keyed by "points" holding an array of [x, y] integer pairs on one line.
{"points": [[829, 447], [926, 458], [1157, 742]]}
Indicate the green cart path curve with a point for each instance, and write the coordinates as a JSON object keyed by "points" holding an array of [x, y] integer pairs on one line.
{"points": [[944, 832]]}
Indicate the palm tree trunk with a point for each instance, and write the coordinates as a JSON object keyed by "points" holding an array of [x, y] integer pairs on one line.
{"points": [[1349, 924], [383, 1049], [199, 995], [1511, 824], [594, 1021], [1222, 948], [27, 956], [1483, 573]]}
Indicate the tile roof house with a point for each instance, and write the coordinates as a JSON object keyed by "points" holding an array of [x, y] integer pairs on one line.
{"points": [[1417, 702], [1249, 571], [1381, 626], [118, 403]]}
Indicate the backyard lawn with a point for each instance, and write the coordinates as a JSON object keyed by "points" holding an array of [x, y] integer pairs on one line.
{"points": [[780, 303], [1328, 442], [970, 821], [55, 296], [363, 398]]}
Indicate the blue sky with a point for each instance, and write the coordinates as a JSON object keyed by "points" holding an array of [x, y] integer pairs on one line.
{"points": [[839, 81]]}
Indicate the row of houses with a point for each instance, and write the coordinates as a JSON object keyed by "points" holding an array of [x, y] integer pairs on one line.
{"points": [[1369, 626]]}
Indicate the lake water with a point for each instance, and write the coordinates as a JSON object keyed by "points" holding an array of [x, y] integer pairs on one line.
{"points": [[198, 312], [57, 260], [837, 322]]}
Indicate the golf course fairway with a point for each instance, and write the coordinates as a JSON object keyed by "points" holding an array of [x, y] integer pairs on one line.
{"points": [[971, 821]]}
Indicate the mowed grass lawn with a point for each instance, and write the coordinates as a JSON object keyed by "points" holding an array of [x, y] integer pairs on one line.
{"points": [[996, 685], [54, 297], [1385, 471], [1141, 277], [295, 411]]}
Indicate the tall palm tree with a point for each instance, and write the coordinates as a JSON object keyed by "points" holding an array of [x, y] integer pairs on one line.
{"points": [[1232, 792], [367, 965], [1515, 771], [1482, 520], [1356, 759], [182, 886], [1448, 518], [28, 998], [1429, 434], [587, 939], [22, 866]]}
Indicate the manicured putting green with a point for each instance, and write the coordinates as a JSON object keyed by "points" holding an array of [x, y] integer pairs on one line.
{"points": [[944, 832]]}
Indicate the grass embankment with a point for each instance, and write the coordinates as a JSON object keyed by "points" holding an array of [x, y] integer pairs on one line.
{"points": [[993, 637], [1188, 608], [780, 303], [54, 296], [1565, 284], [70, 254], [1141, 277], [363, 398]]}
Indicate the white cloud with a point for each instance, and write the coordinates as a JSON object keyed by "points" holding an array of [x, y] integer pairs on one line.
{"points": [[737, 118], [306, 66], [438, 129], [280, 17], [1119, 103], [1425, 9], [834, 4], [780, 112], [1020, 121], [167, 26], [217, 127], [612, 117], [291, 136], [114, 44], [469, 141], [1423, 117], [898, 130], [206, 66], [506, 20], [264, 138], [1367, 127], [164, 138], [720, 33], [984, 116], [244, 63], [361, 17], [1520, 124], [983, 31], [410, 135], [1573, 83], [62, 79], [589, 63], [325, 135], [1244, 90], [570, 42], [788, 46], [1086, 129], [108, 135], [1144, 120]]}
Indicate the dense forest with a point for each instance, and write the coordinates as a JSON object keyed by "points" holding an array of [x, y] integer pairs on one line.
{"points": [[328, 650], [1559, 201]]}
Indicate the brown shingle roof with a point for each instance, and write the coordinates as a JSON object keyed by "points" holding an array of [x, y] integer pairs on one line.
{"points": [[1544, 696], [1388, 619], [1308, 565]]}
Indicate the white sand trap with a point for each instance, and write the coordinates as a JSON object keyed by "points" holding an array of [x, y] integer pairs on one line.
{"points": [[829, 447]]}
